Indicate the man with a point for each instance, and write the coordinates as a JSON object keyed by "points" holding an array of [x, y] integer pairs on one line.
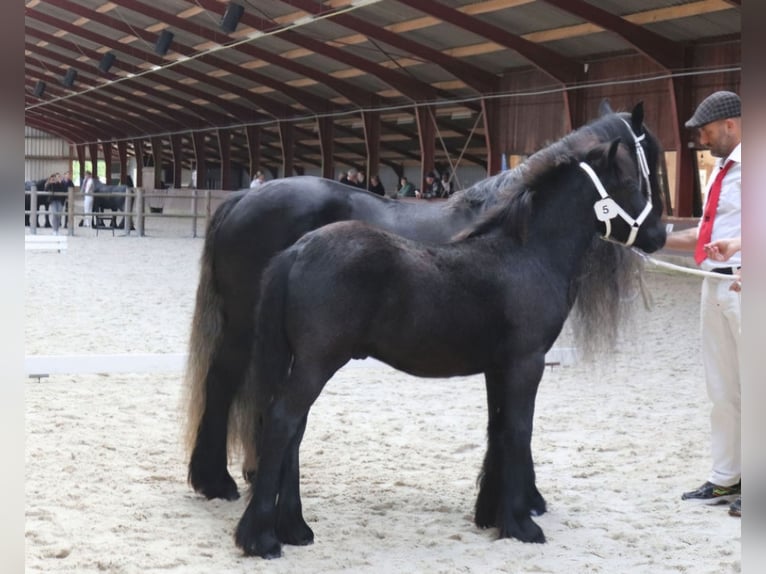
{"points": [[55, 186], [258, 179], [350, 177], [87, 202], [718, 122], [433, 187], [361, 182]]}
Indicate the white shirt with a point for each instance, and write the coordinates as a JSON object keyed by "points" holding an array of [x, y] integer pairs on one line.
{"points": [[87, 185], [728, 216]]}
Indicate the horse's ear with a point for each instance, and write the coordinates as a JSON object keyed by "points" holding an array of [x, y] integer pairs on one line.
{"points": [[613, 150], [637, 118], [603, 154], [605, 108]]}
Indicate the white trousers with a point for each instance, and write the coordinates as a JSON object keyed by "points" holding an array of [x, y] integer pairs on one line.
{"points": [[87, 206], [720, 322]]}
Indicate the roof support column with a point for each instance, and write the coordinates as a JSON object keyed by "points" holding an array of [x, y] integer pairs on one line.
{"points": [[93, 149], [198, 139], [80, 150], [157, 155], [287, 137], [253, 135], [372, 141], [326, 129], [574, 109], [178, 158], [122, 153], [491, 116], [426, 136], [688, 194], [224, 148], [138, 152], [107, 149]]}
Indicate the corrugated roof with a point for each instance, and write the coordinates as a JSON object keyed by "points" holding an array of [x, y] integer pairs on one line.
{"points": [[291, 59]]}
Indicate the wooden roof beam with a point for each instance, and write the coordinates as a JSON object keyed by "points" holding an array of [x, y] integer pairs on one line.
{"points": [[563, 69], [666, 53], [479, 80]]}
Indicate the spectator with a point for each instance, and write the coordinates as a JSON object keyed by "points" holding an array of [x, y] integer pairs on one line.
{"points": [[406, 189], [55, 185], [87, 203], [350, 178], [360, 180], [433, 187], [448, 184], [258, 179], [375, 186]]}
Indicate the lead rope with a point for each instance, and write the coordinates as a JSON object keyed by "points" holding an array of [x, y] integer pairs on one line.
{"points": [[681, 268]]}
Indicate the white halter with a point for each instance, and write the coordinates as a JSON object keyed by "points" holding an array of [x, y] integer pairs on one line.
{"points": [[607, 209]]}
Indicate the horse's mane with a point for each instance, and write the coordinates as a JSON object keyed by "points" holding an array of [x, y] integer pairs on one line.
{"points": [[610, 274], [486, 192]]}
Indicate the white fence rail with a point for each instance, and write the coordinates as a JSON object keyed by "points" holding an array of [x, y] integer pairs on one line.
{"points": [[38, 366]]}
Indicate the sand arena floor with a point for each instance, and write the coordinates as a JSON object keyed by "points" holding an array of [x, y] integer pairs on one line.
{"points": [[389, 462]]}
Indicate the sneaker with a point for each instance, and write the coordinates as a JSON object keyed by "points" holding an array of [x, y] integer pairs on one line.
{"points": [[713, 492], [736, 507]]}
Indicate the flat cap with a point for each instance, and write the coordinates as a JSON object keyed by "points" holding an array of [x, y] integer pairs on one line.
{"points": [[717, 106]]}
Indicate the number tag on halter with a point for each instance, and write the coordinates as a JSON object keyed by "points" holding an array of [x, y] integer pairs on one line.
{"points": [[605, 209]]}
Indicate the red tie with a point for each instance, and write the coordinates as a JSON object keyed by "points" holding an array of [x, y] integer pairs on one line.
{"points": [[706, 228]]}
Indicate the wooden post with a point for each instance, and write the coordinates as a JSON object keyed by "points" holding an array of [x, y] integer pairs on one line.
{"points": [[208, 200], [70, 210], [33, 210], [129, 205], [140, 211], [194, 212]]}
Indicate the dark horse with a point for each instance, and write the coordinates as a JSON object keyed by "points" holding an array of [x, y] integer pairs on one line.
{"points": [[248, 228], [115, 203], [43, 199], [491, 301]]}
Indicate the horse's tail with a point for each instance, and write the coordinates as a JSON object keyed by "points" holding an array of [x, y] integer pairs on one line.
{"points": [[206, 328], [271, 356]]}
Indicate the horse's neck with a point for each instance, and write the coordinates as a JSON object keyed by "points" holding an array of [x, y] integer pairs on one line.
{"points": [[561, 228]]}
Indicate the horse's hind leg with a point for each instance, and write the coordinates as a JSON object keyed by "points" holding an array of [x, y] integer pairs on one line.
{"points": [[291, 527], [208, 472], [508, 494], [263, 524]]}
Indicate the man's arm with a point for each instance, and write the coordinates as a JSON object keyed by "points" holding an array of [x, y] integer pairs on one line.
{"points": [[685, 240]]}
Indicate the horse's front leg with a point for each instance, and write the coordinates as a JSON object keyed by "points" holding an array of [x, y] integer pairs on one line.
{"points": [[508, 494]]}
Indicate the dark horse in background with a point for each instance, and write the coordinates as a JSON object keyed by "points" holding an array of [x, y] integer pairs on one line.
{"points": [[492, 301], [247, 229], [43, 199], [114, 203]]}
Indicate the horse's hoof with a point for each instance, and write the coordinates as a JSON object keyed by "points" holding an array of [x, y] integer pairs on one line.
{"points": [[524, 530], [483, 520], [265, 545], [223, 487], [297, 534]]}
